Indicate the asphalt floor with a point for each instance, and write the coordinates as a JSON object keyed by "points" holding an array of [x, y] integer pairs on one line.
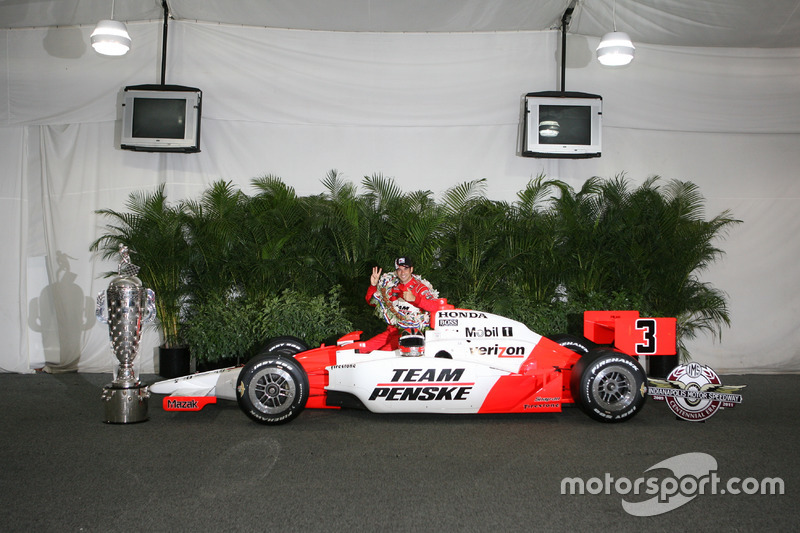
{"points": [[64, 469]]}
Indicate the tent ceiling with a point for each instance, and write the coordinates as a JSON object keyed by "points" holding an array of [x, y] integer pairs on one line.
{"points": [[724, 23]]}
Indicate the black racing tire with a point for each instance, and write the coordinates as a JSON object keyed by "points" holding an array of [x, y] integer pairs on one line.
{"points": [[575, 343], [609, 386], [272, 389], [286, 346]]}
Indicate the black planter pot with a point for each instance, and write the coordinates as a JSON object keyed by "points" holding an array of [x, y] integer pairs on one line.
{"points": [[173, 362]]}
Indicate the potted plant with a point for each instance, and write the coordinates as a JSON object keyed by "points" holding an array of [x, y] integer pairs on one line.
{"points": [[650, 242], [155, 235], [226, 330]]}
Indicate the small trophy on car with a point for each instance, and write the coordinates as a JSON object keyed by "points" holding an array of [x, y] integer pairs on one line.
{"points": [[125, 306]]}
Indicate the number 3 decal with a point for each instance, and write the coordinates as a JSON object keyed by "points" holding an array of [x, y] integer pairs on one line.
{"points": [[648, 327]]}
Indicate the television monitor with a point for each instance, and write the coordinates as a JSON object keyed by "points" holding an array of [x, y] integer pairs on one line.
{"points": [[561, 124], [161, 118]]}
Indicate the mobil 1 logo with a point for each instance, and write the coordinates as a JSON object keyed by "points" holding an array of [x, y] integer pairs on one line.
{"points": [[487, 332]]}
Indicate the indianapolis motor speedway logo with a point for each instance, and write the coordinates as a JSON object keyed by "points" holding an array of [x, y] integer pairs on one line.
{"points": [[694, 392]]}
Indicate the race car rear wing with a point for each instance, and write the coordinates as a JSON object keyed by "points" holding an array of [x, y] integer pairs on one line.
{"points": [[630, 333]]}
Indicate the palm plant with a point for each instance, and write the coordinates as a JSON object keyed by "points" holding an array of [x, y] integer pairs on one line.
{"points": [[275, 233], [469, 258], [538, 259], [532, 244], [155, 235], [584, 242], [410, 223], [649, 241], [214, 225], [346, 235], [669, 281]]}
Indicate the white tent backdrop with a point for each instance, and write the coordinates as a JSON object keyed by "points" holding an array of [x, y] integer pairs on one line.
{"points": [[429, 109]]}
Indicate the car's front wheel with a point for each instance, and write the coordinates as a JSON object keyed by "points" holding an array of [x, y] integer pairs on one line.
{"points": [[609, 386], [272, 389]]}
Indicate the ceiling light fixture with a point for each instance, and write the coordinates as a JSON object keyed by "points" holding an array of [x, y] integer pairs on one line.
{"points": [[110, 37], [615, 48]]}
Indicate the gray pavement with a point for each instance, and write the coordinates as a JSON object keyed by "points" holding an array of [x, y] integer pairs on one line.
{"points": [[63, 469]]}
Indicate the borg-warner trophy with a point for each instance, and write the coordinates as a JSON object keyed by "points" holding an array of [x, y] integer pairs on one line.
{"points": [[125, 306]]}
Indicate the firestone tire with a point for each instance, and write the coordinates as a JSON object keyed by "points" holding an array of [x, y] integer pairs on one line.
{"points": [[285, 346], [609, 386], [575, 343], [272, 389]]}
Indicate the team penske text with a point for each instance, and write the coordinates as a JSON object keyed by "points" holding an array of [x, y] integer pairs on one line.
{"points": [[418, 384], [420, 393]]}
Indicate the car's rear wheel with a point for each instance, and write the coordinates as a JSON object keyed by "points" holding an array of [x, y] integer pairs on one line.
{"points": [[609, 386], [272, 389], [575, 343], [286, 346]]}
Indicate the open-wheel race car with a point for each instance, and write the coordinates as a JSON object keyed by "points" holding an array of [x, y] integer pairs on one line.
{"points": [[468, 361]]}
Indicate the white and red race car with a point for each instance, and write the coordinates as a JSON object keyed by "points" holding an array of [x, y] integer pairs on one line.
{"points": [[467, 362]]}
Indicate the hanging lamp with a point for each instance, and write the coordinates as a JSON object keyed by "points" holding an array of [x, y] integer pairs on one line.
{"points": [[110, 37], [615, 48]]}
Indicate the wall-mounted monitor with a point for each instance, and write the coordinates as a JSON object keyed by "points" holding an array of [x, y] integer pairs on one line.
{"points": [[562, 125], [161, 118]]}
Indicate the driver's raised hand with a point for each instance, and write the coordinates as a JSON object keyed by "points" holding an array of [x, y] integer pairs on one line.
{"points": [[376, 275]]}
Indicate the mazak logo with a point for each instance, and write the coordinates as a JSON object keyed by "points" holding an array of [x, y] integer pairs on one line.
{"points": [[423, 384], [694, 392], [187, 403], [690, 475], [461, 314]]}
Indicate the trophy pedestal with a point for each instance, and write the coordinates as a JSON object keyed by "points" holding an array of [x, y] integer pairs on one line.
{"points": [[125, 405]]}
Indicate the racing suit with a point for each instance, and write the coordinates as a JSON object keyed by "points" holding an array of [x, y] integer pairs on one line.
{"points": [[414, 292]]}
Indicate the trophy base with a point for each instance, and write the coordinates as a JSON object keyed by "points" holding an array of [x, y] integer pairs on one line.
{"points": [[125, 405]]}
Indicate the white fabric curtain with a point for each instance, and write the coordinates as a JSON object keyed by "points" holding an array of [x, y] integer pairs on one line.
{"points": [[431, 110]]}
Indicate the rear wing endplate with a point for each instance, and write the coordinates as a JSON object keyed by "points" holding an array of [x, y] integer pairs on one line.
{"points": [[630, 333]]}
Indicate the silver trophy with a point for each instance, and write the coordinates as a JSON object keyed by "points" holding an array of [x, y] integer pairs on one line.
{"points": [[125, 306]]}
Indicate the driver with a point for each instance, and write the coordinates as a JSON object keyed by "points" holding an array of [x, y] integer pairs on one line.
{"points": [[401, 288]]}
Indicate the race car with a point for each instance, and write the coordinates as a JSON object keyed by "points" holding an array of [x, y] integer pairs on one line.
{"points": [[468, 361]]}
